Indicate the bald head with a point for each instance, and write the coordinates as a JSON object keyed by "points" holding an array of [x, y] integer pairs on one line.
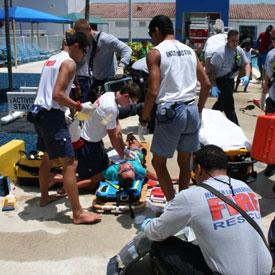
{"points": [[219, 26]]}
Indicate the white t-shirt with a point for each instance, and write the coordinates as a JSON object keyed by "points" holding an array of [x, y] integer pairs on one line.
{"points": [[102, 119], [248, 54], [212, 43], [140, 65], [178, 72], [47, 82]]}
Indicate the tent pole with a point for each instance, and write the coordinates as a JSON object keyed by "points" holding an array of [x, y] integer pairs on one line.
{"points": [[130, 20], [14, 43], [37, 35], [31, 32], [8, 46], [21, 31], [87, 9]]}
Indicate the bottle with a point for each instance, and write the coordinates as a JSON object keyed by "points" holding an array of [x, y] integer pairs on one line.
{"points": [[5, 186], [9, 202], [135, 249]]}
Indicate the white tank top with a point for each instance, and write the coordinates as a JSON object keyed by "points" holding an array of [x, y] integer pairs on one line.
{"points": [[47, 82], [178, 72]]}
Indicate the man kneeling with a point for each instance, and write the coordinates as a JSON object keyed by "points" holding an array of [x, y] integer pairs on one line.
{"points": [[227, 243]]}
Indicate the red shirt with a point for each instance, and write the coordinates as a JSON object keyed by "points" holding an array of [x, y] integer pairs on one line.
{"points": [[264, 42]]}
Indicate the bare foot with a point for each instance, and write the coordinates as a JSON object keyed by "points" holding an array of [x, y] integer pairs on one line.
{"points": [[49, 199], [87, 218]]}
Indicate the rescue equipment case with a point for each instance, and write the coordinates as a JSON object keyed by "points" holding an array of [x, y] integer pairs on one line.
{"points": [[27, 168], [263, 146]]}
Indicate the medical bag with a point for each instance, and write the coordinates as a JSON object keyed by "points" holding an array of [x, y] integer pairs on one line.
{"points": [[27, 167]]}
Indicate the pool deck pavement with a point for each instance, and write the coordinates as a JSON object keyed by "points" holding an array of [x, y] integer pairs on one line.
{"points": [[33, 67], [37, 240]]}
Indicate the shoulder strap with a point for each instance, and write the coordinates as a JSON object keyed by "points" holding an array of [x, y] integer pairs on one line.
{"points": [[94, 46], [235, 206]]}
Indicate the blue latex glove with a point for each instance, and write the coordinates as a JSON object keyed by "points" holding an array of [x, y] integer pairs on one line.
{"points": [[244, 80], [215, 91], [144, 223]]}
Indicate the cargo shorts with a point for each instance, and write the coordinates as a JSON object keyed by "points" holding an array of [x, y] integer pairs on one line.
{"points": [[53, 135], [180, 133]]}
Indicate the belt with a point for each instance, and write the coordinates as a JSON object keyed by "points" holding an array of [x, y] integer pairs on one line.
{"points": [[181, 102], [83, 77], [226, 76], [189, 101], [53, 110], [184, 102], [90, 142]]}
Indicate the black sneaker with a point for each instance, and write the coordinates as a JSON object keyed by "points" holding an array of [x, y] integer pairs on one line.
{"points": [[269, 170]]}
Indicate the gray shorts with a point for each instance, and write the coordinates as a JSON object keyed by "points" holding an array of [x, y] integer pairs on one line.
{"points": [[181, 132]]}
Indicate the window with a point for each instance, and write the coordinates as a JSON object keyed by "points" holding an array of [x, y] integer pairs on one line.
{"points": [[142, 24], [122, 24], [247, 32]]}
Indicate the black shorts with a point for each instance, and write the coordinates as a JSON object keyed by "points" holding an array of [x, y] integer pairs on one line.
{"points": [[53, 135], [270, 106], [174, 256], [92, 159]]}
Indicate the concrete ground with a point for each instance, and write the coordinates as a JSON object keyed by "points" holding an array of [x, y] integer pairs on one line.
{"points": [[33, 67], [38, 240]]}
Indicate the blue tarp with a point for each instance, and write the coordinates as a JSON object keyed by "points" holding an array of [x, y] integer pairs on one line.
{"points": [[21, 14]]}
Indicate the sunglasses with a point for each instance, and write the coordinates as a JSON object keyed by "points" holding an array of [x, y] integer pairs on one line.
{"points": [[273, 38]]}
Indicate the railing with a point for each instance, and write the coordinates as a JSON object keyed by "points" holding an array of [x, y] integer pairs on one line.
{"points": [[45, 42]]}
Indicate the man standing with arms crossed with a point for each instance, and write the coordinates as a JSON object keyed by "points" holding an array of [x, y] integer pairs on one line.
{"points": [[173, 73], [53, 134]]}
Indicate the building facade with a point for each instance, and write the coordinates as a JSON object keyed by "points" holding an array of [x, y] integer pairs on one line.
{"points": [[234, 16], [115, 14]]}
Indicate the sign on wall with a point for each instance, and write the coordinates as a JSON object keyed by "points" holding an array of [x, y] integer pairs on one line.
{"points": [[19, 101]]}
